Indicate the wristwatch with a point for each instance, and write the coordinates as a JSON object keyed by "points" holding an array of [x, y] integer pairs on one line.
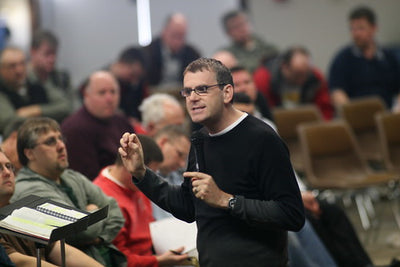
{"points": [[232, 202]]}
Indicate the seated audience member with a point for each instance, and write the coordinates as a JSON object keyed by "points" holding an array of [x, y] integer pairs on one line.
{"points": [[168, 55], [134, 239], [335, 230], [160, 110], [42, 66], [22, 252], [174, 143], [42, 152], [9, 144], [129, 70], [21, 99], [248, 48], [226, 58], [93, 132], [364, 68], [293, 81], [243, 82]]}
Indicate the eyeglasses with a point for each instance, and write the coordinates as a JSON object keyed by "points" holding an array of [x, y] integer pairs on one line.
{"points": [[200, 90], [7, 166], [52, 141]]}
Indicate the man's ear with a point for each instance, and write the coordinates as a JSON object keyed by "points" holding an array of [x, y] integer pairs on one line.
{"points": [[162, 141], [227, 93], [151, 128], [29, 154]]}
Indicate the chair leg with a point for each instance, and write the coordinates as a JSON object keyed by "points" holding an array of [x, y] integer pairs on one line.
{"points": [[370, 208], [396, 211], [362, 212]]}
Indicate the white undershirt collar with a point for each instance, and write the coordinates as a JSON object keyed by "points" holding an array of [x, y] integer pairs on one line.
{"points": [[230, 127]]}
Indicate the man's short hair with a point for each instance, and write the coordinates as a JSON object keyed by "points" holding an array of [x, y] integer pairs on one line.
{"points": [[172, 132], [222, 73], [152, 107], [288, 54], [131, 55], [42, 36], [363, 12], [242, 98], [29, 132], [9, 48], [238, 69], [230, 15], [12, 127]]}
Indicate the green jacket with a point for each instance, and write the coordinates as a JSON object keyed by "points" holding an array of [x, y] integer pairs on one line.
{"points": [[31, 183]]}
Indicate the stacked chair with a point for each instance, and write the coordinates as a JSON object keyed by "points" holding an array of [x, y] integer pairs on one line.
{"points": [[360, 115], [333, 160], [286, 121]]}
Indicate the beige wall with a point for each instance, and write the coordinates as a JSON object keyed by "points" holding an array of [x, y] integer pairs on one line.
{"points": [[16, 14]]}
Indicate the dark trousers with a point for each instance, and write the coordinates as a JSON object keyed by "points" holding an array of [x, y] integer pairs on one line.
{"points": [[337, 233]]}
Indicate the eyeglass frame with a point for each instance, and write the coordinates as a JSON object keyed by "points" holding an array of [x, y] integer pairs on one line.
{"points": [[51, 142], [197, 88], [8, 165]]}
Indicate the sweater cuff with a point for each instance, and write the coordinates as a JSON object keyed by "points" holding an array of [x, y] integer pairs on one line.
{"points": [[147, 174]]}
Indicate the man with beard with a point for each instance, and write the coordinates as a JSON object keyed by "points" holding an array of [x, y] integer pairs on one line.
{"points": [[364, 68], [43, 154]]}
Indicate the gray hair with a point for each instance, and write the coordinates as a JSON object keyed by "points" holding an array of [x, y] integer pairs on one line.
{"points": [[152, 108]]}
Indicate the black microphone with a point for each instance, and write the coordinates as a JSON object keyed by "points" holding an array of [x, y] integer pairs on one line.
{"points": [[197, 140]]}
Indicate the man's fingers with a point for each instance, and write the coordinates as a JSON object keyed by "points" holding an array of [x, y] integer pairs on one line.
{"points": [[195, 175], [124, 139], [122, 152]]}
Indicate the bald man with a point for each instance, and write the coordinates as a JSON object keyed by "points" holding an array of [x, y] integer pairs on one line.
{"points": [[169, 54], [93, 131], [226, 58]]}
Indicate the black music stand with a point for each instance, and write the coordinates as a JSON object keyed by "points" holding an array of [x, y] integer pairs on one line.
{"points": [[59, 233]]}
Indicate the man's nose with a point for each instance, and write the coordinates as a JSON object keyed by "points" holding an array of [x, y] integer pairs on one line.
{"points": [[193, 96]]}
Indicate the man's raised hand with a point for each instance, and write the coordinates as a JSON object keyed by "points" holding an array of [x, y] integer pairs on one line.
{"points": [[131, 153]]}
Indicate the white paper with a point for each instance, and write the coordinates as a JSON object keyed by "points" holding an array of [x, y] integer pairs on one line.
{"points": [[171, 233]]}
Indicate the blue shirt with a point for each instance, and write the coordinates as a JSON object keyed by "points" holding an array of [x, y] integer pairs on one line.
{"points": [[359, 76]]}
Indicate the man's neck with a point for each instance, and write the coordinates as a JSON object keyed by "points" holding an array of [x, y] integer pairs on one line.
{"points": [[369, 51], [51, 175], [118, 173], [248, 44], [230, 116], [4, 201], [10, 87], [41, 75]]}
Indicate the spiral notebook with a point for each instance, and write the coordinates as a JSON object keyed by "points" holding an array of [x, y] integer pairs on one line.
{"points": [[44, 220], [60, 212]]}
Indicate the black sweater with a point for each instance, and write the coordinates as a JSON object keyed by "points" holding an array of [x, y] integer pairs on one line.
{"points": [[251, 162]]}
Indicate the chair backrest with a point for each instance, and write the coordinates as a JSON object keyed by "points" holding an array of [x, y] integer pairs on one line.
{"points": [[332, 158], [287, 120], [360, 115], [389, 135]]}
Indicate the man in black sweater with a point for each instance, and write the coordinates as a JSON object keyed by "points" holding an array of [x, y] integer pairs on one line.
{"points": [[239, 186]]}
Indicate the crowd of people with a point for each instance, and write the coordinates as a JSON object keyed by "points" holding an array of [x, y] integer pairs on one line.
{"points": [[130, 146]]}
